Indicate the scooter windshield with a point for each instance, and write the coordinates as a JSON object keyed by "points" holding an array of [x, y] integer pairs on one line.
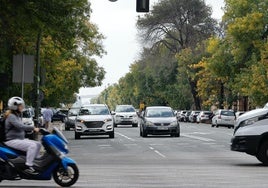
{"points": [[59, 134]]}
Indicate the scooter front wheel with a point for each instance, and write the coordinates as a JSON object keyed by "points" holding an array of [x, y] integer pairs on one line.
{"points": [[66, 178]]}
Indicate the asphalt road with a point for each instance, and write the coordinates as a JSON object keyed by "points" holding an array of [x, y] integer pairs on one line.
{"points": [[199, 158]]}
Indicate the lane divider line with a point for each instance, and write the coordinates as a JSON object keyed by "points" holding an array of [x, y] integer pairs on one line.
{"points": [[124, 136], [198, 138], [157, 152]]}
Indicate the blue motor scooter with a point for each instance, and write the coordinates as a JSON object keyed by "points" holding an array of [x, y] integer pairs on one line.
{"points": [[53, 163]]}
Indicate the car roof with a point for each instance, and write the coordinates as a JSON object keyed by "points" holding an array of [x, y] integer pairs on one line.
{"points": [[158, 107], [90, 105], [125, 105]]}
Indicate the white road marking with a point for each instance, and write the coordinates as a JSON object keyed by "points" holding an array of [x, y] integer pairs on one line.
{"points": [[198, 138], [157, 152], [162, 155], [124, 136]]}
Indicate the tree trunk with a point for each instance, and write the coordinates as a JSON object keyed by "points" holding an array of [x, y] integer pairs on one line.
{"points": [[197, 101], [221, 100]]}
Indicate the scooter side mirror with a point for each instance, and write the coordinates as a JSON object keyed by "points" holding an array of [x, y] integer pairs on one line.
{"points": [[44, 131]]}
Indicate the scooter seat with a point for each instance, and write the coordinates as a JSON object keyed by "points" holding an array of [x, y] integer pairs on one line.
{"points": [[19, 152]]}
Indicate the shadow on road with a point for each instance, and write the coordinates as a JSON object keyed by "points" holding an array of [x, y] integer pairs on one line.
{"points": [[250, 165]]}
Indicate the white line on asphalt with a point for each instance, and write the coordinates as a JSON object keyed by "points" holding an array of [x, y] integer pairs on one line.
{"points": [[162, 155], [157, 152], [198, 138], [124, 136]]}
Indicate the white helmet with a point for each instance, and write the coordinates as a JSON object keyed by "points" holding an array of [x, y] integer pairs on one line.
{"points": [[14, 102]]}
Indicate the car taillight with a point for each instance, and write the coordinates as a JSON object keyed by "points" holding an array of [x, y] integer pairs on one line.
{"points": [[219, 117], [202, 115]]}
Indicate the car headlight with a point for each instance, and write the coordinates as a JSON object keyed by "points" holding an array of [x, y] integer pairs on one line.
{"points": [[175, 123], [148, 123], [107, 120], [80, 121], [249, 121], [78, 127]]}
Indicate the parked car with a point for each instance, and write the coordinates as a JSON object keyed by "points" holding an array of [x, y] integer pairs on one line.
{"points": [[159, 120], [223, 118], [125, 115], [250, 135], [70, 121], [27, 117], [181, 115], [193, 116], [239, 113], [58, 116], [204, 117], [187, 115], [94, 119]]}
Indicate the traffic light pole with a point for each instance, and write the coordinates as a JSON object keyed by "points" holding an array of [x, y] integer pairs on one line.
{"points": [[37, 79]]}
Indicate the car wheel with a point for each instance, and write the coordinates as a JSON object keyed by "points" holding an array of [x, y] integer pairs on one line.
{"points": [[175, 135], [77, 136], [262, 155], [140, 133], [144, 133], [134, 125], [115, 125], [111, 135]]}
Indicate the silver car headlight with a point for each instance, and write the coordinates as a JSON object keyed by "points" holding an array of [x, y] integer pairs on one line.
{"points": [[174, 123], [148, 123]]}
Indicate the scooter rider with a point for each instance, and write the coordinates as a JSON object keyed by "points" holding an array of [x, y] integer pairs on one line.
{"points": [[15, 133]]}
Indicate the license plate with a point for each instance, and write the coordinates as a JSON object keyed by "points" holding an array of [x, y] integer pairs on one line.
{"points": [[94, 130], [163, 128]]}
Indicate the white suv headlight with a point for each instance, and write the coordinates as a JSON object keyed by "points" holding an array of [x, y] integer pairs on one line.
{"points": [[107, 120], [249, 121]]}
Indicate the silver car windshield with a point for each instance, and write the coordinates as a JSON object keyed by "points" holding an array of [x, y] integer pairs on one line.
{"points": [[159, 113], [94, 110]]}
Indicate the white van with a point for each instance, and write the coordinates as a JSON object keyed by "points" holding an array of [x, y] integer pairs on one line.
{"points": [[251, 134]]}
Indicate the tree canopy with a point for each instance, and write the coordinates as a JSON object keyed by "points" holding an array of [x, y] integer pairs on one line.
{"points": [[68, 43]]}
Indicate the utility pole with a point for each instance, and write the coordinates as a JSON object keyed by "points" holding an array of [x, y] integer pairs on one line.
{"points": [[37, 78]]}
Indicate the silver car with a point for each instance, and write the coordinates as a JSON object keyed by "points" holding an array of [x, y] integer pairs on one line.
{"points": [[159, 120], [94, 119]]}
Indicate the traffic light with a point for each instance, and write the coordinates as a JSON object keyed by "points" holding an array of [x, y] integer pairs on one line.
{"points": [[142, 5]]}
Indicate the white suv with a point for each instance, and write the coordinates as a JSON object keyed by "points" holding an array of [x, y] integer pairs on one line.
{"points": [[125, 115], [251, 134], [94, 119]]}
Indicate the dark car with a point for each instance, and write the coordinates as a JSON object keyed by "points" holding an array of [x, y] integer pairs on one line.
{"points": [[70, 121], [58, 116], [159, 120]]}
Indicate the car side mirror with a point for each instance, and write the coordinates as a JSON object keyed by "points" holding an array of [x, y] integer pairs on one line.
{"points": [[113, 113]]}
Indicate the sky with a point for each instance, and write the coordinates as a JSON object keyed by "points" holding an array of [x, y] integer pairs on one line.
{"points": [[117, 22]]}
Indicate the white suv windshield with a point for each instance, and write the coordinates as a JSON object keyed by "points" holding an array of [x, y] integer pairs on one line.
{"points": [[94, 110], [124, 109]]}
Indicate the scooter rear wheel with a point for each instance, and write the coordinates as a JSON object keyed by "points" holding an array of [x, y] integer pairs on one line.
{"points": [[66, 178]]}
